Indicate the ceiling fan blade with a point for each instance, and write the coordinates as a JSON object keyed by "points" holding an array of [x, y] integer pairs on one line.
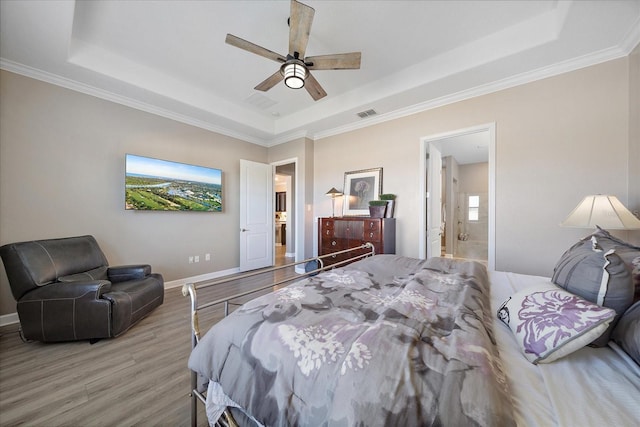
{"points": [[299, 27], [254, 48], [339, 61], [313, 87], [270, 82]]}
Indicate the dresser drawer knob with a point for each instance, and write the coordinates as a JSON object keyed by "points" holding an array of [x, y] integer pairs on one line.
{"points": [[370, 234], [333, 243]]}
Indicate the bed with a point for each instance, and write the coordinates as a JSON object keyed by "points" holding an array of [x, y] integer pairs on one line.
{"points": [[391, 340]]}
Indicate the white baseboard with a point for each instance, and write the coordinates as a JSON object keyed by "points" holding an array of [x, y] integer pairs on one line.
{"points": [[11, 318], [201, 278], [289, 254]]}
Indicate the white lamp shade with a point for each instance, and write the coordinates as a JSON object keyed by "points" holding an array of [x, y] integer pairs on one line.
{"points": [[604, 211]]}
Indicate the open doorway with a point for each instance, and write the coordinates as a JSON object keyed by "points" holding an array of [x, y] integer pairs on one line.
{"points": [[284, 212], [464, 213]]}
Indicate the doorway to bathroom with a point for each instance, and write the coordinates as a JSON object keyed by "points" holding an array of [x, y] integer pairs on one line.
{"points": [[459, 183], [284, 232]]}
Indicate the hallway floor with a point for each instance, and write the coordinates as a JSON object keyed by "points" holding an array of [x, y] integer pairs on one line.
{"points": [[281, 259]]}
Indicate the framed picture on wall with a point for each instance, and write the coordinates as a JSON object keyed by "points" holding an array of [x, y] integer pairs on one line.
{"points": [[360, 187]]}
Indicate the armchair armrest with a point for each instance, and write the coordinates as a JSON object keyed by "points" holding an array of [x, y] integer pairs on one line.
{"points": [[122, 273], [68, 290]]}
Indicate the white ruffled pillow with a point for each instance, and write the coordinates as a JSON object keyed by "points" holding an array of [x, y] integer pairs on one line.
{"points": [[549, 322]]}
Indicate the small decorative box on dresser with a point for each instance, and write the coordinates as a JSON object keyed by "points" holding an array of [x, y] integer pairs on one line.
{"points": [[339, 233]]}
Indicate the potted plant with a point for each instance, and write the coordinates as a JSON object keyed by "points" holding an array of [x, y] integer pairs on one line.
{"points": [[377, 208], [390, 200]]}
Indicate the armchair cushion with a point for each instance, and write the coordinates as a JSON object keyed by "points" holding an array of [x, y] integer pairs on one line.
{"points": [[134, 299], [99, 273], [69, 290]]}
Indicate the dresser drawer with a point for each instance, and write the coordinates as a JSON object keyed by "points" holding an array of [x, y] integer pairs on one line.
{"points": [[333, 245], [372, 231], [327, 233], [337, 234], [328, 224], [348, 229], [372, 225], [372, 236]]}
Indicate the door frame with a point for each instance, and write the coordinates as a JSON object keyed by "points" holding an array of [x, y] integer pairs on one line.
{"points": [[424, 143], [433, 196], [296, 218]]}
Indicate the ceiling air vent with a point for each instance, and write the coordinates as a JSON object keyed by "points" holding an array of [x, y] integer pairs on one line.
{"points": [[368, 113], [260, 101]]}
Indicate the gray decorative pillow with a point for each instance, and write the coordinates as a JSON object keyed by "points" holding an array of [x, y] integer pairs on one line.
{"points": [[593, 270], [627, 332], [635, 274], [629, 253]]}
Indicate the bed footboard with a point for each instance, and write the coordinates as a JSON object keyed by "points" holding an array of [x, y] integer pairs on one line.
{"points": [[191, 290]]}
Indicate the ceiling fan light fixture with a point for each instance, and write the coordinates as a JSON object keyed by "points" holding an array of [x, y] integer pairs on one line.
{"points": [[294, 74], [295, 66]]}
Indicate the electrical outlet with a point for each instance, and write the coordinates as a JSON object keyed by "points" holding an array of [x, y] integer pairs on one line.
{"points": [[196, 258], [207, 257], [190, 260]]}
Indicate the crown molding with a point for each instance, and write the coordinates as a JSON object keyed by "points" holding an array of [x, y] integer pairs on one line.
{"points": [[64, 82], [288, 137], [630, 41], [509, 82]]}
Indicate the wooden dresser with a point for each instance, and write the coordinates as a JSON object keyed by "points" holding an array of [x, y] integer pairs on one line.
{"points": [[338, 233]]}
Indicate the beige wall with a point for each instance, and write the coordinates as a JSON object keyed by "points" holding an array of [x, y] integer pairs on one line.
{"points": [[557, 140], [473, 178], [302, 151], [62, 174]]}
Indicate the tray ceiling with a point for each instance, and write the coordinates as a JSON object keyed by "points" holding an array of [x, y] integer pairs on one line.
{"points": [[170, 58]]}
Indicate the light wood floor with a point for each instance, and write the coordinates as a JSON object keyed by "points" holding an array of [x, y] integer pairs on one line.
{"points": [[140, 378]]}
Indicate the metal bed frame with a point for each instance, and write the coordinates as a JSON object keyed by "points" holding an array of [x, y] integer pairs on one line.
{"points": [[190, 289]]}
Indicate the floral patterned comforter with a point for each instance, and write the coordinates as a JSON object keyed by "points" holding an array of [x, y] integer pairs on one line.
{"points": [[349, 347]]}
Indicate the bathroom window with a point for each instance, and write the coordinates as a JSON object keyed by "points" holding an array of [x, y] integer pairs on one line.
{"points": [[474, 208]]}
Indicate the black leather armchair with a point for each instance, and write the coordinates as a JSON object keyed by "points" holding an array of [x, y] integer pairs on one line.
{"points": [[66, 291]]}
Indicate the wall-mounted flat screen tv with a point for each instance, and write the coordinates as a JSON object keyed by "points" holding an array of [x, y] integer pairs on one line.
{"points": [[162, 185]]}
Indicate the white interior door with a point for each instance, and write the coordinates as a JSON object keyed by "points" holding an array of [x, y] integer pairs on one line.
{"points": [[434, 202], [256, 215]]}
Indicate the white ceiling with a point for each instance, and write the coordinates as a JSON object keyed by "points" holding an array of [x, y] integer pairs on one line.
{"points": [[466, 148], [170, 58]]}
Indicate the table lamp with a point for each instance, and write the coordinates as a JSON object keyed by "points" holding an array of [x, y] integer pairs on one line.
{"points": [[333, 193], [604, 211]]}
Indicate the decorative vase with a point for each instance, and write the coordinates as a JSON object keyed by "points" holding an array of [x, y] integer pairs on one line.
{"points": [[377, 211], [390, 207]]}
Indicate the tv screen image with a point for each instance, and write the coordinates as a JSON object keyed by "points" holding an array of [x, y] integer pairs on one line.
{"points": [[162, 185]]}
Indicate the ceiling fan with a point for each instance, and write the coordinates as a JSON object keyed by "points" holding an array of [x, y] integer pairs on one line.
{"points": [[295, 68]]}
